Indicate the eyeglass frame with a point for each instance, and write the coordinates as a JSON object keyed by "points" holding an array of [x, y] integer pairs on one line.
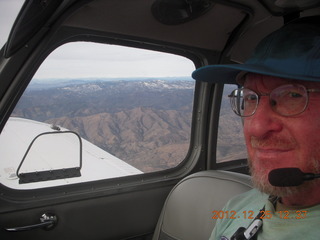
{"points": [[308, 90]]}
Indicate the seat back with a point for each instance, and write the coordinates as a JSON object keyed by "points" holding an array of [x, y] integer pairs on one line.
{"points": [[188, 211]]}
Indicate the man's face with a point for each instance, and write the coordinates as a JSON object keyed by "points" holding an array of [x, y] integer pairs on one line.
{"points": [[274, 141]]}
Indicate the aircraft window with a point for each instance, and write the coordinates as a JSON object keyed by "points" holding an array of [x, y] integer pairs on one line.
{"points": [[230, 145], [132, 109]]}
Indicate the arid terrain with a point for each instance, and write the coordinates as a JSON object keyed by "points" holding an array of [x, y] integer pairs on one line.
{"points": [[144, 122]]}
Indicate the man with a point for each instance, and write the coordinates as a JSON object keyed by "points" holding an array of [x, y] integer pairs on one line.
{"points": [[280, 106]]}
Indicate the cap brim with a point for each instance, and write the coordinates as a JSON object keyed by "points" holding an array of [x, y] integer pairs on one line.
{"points": [[230, 73]]}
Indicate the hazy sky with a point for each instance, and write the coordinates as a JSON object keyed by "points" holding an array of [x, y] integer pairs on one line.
{"points": [[98, 60], [8, 11]]}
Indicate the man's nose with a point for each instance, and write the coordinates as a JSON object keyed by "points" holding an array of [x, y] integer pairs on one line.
{"points": [[264, 120]]}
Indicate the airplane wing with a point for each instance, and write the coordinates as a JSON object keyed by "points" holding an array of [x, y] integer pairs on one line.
{"points": [[52, 154]]}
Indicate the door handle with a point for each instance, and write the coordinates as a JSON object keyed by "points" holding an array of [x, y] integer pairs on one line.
{"points": [[47, 221]]}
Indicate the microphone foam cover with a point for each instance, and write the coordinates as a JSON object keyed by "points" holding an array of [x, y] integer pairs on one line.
{"points": [[286, 177]]}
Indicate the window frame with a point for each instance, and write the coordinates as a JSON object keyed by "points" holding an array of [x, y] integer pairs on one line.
{"points": [[91, 56], [237, 165], [194, 160]]}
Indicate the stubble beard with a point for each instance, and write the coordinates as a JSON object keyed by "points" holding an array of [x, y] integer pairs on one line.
{"points": [[260, 173], [260, 181]]}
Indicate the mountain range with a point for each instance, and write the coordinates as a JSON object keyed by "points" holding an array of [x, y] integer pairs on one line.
{"points": [[145, 122]]}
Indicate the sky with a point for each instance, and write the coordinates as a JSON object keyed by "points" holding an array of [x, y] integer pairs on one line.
{"points": [[89, 60], [8, 12]]}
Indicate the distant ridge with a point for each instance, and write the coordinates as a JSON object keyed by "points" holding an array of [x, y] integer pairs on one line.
{"points": [[146, 122], [60, 82]]}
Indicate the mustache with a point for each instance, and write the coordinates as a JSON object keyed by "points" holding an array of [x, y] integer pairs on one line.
{"points": [[272, 142]]}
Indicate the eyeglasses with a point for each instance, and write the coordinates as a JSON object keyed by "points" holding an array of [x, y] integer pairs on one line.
{"points": [[286, 100]]}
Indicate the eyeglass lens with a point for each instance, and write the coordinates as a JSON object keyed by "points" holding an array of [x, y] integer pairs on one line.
{"points": [[286, 100]]}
